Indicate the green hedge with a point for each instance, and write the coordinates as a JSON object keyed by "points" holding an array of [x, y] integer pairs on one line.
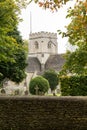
{"points": [[74, 85], [41, 83]]}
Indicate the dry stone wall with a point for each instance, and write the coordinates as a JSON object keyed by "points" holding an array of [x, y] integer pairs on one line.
{"points": [[43, 113]]}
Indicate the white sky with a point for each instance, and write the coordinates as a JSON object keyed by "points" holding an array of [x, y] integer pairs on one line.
{"points": [[45, 20]]}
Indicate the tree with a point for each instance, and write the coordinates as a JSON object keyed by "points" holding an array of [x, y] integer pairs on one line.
{"points": [[76, 62], [18, 67], [39, 83], [52, 4], [16, 35], [12, 54], [77, 29], [8, 20], [52, 78], [46, 4], [14, 71]]}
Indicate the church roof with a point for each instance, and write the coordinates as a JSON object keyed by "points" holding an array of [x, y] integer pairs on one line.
{"points": [[54, 62], [33, 65]]}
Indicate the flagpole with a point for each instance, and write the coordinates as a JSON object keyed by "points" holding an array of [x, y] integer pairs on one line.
{"points": [[30, 22]]}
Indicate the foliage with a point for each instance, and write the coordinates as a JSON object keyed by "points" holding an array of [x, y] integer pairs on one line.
{"points": [[39, 82], [77, 29], [1, 76], [53, 4], [1, 79], [73, 85], [12, 54], [8, 20], [46, 4], [22, 3], [25, 45], [15, 71], [52, 78], [76, 62], [16, 35], [8, 16]]}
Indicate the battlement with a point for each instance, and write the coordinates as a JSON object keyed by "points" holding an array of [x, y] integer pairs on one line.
{"points": [[43, 34]]}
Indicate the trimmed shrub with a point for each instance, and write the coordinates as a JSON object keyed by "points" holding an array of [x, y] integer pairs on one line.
{"points": [[52, 77], [73, 85], [41, 83]]}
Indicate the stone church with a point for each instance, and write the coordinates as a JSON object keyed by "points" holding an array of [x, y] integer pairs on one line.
{"points": [[43, 53]]}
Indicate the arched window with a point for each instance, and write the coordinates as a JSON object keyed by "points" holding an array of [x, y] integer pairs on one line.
{"points": [[36, 45], [49, 44]]}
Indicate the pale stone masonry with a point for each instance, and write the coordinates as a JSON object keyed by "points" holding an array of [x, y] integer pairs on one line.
{"points": [[43, 42], [43, 52], [43, 55]]}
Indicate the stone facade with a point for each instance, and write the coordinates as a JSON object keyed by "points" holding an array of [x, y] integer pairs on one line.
{"points": [[42, 45], [43, 55], [43, 52], [43, 42]]}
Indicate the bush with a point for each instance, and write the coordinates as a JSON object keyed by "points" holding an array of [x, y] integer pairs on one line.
{"points": [[52, 77], [41, 83], [1, 80], [74, 85]]}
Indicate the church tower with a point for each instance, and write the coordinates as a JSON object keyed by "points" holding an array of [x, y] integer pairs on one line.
{"points": [[42, 45]]}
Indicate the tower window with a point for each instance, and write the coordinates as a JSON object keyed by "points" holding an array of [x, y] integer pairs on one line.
{"points": [[36, 45], [49, 45]]}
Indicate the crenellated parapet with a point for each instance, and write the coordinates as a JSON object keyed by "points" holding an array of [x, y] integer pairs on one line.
{"points": [[43, 34], [42, 45], [43, 42]]}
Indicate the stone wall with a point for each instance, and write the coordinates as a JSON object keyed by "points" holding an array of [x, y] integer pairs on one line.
{"points": [[43, 34], [43, 113], [38, 43]]}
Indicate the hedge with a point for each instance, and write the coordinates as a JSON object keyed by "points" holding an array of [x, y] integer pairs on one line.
{"points": [[41, 83], [73, 85]]}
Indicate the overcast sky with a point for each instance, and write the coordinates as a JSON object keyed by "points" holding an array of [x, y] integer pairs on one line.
{"points": [[45, 20]]}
